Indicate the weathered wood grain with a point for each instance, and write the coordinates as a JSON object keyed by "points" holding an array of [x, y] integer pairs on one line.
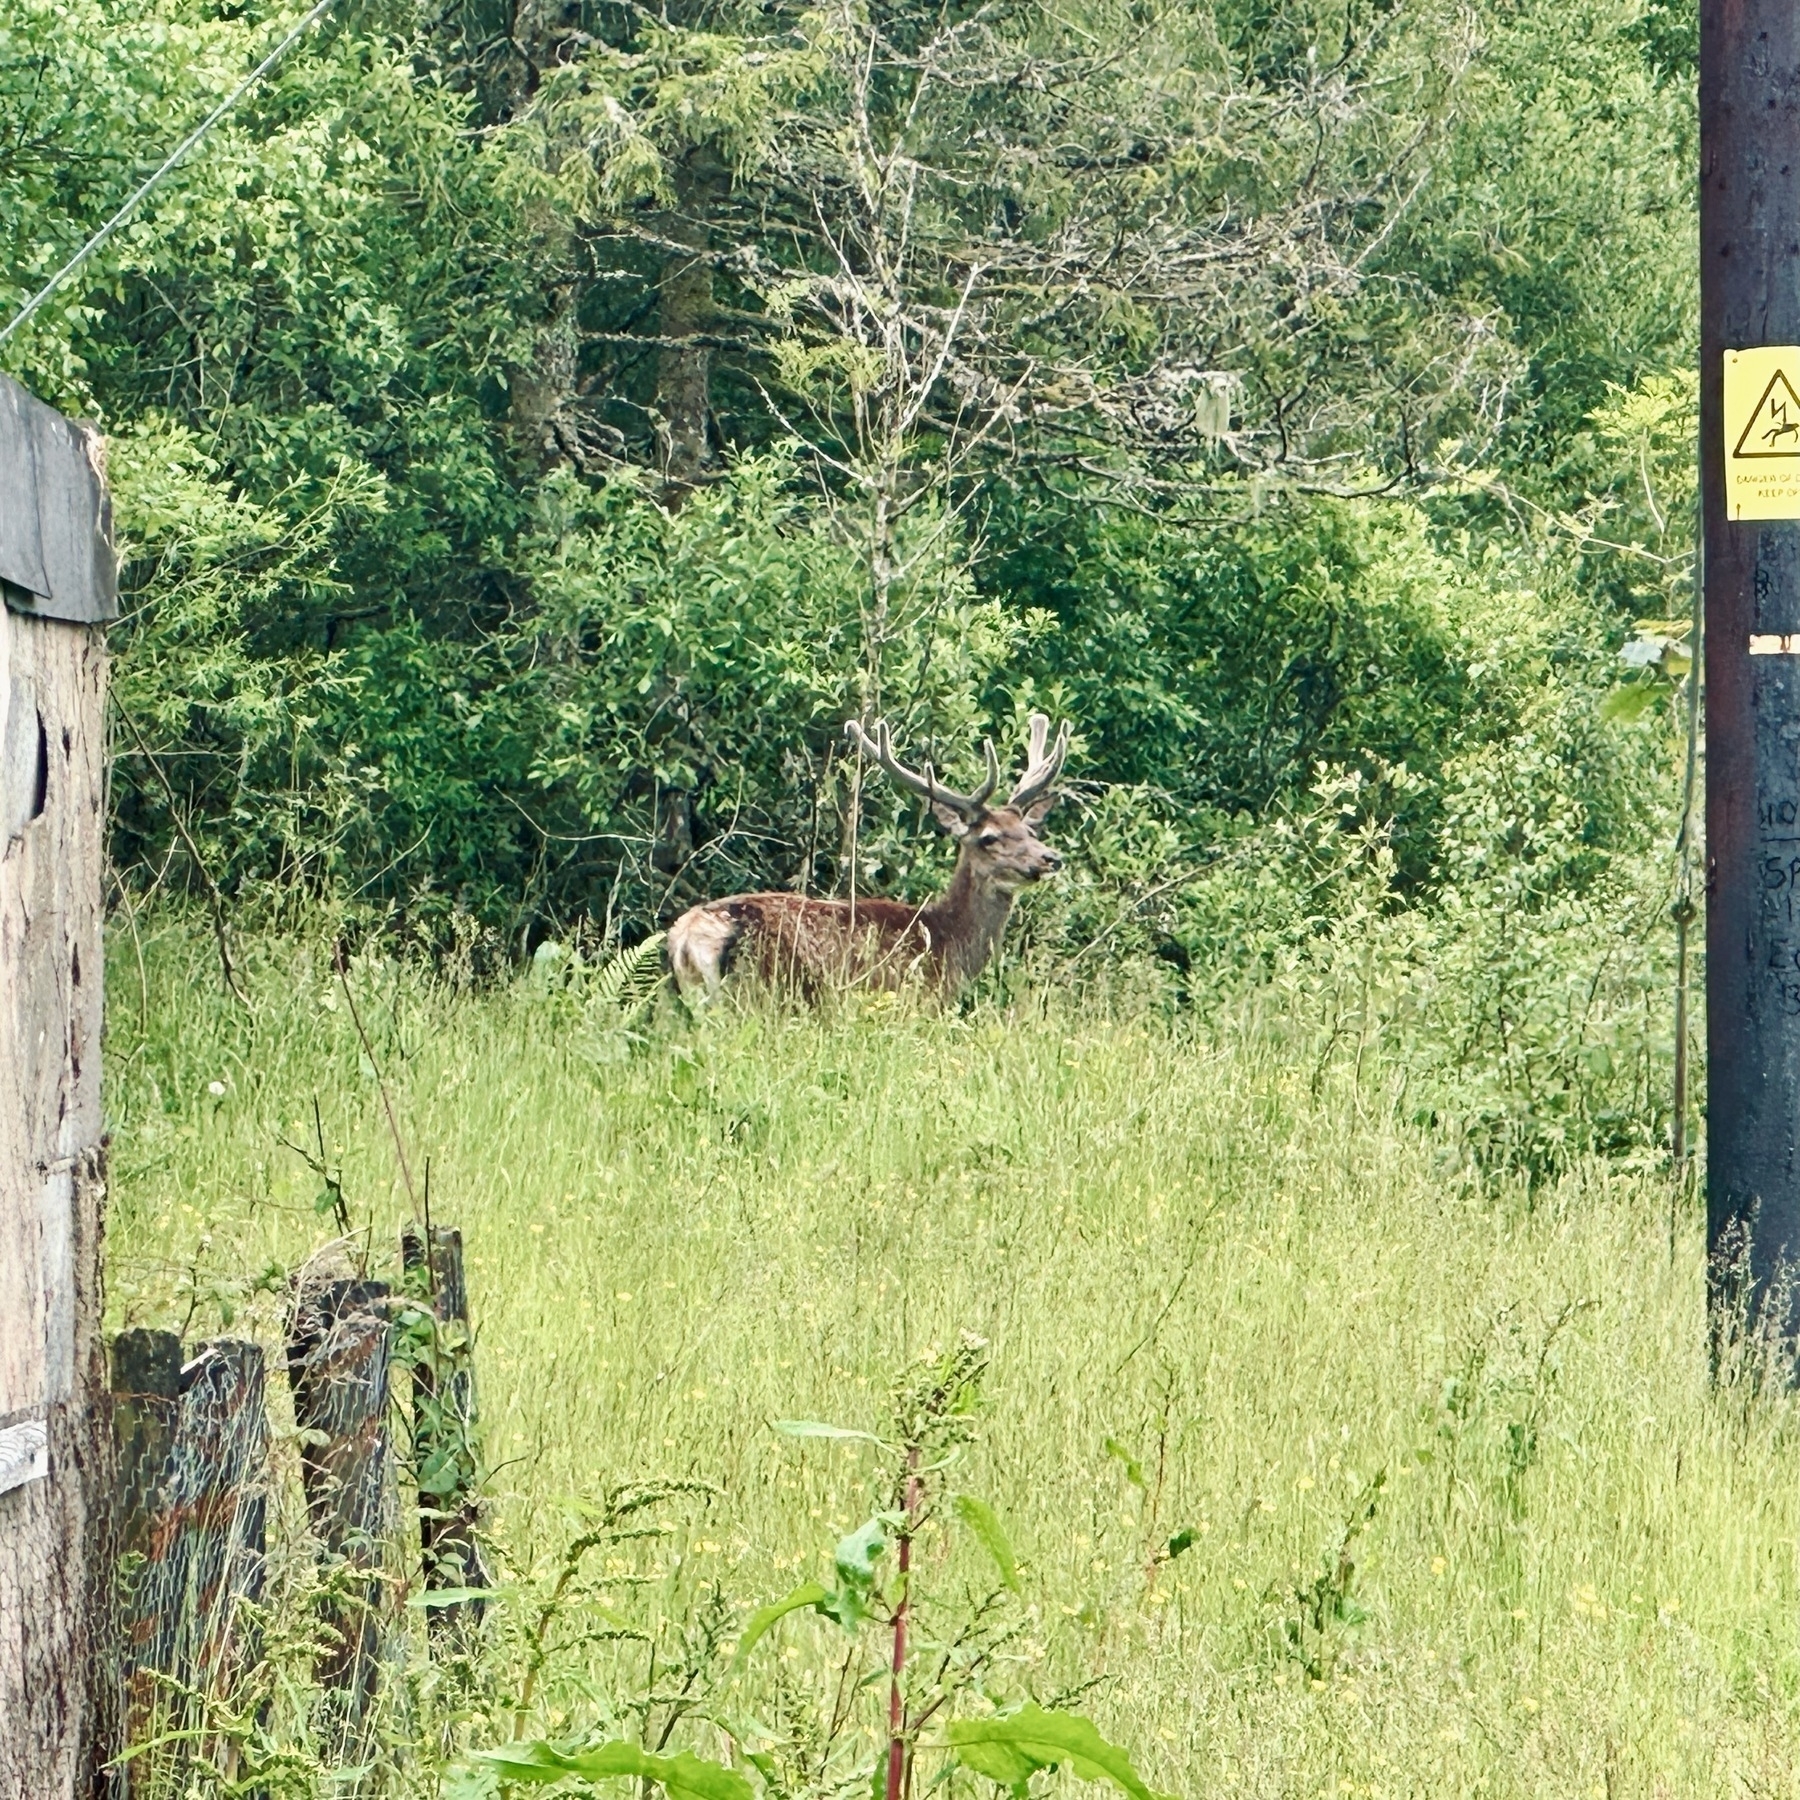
{"points": [[219, 1500], [52, 687], [188, 1547], [337, 1357], [56, 549], [146, 1407], [445, 1450]]}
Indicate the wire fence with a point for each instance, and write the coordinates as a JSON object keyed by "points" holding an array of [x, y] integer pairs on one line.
{"points": [[210, 1494], [190, 1513]]}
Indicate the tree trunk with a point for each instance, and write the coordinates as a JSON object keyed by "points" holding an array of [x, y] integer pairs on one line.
{"points": [[881, 588], [543, 384], [543, 388], [684, 369], [684, 318]]}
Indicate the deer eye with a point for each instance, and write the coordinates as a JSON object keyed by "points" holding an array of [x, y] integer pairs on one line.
{"points": [[987, 839]]}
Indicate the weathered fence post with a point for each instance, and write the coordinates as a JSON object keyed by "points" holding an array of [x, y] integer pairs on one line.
{"points": [[189, 1524], [56, 584], [219, 1499], [337, 1357], [444, 1419], [146, 1404]]}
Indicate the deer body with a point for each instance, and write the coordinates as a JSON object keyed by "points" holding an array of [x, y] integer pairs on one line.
{"points": [[813, 946]]}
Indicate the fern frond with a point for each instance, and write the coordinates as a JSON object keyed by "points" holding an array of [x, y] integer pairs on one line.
{"points": [[627, 981]]}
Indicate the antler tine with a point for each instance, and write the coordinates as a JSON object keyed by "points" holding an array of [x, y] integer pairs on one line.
{"points": [[1041, 770], [983, 794], [881, 749]]}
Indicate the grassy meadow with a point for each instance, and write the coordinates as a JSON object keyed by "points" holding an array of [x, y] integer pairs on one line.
{"points": [[1227, 1248]]}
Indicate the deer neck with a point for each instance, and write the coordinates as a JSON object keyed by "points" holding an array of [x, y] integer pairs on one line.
{"points": [[967, 921]]}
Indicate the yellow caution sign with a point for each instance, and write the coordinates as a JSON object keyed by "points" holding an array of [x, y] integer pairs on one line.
{"points": [[1762, 432]]}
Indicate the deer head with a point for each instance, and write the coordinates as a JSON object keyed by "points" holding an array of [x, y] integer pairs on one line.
{"points": [[1000, 847]]}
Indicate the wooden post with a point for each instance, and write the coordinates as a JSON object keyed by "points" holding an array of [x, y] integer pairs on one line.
{"points": [[189, 1528], [1750, 321], [337, 1358], [219, 1499], [56, 584], [146, 1404], [444, 1420]]}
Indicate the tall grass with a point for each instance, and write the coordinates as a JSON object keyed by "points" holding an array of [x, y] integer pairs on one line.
{"points": [[1242, 1262]]}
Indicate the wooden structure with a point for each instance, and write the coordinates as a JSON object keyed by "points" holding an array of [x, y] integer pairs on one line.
{"points": [[445, 1459], [1750, 569], [187, 1548], [58, 584], [339, 1341]]}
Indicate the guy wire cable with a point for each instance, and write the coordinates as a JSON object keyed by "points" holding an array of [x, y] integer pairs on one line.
{"points": [[169, 162]]}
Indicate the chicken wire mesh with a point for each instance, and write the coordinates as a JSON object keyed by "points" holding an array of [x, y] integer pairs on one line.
{"points": [[257, 1547], [190, 1523]]}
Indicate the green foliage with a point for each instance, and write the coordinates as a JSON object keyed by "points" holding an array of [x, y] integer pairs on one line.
{"points": [[1134, 1470], [683, 1776], [856, 1561], [1014, 1746], [984, 1522], [1227, 1241], [808, 1596], [879, 1589], [1564, 210], [424, 624], [1222, 668], [1315, 1614]]}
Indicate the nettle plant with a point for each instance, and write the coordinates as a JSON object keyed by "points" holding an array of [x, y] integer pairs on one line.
{"points": [[928, 1686]]}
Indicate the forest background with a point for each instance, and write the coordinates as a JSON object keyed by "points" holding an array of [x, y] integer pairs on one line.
{"points": [[536, 425]]}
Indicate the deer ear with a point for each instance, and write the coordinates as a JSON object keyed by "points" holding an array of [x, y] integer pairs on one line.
{"points": [[1036, 812], [951, 820]]}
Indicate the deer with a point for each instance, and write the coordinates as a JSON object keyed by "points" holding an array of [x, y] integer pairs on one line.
{"points": [[813, 946]]}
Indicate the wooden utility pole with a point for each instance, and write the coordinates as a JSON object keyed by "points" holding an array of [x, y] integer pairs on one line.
{"points": [[1750, 495], [57, 583]]}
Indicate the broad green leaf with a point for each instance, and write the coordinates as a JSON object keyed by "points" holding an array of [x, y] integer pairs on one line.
{"points": [[1628, 703], [811, 1428], [846, 1605], [757, 1626], [682, 1777], [857, 1554], [1134, 1470], [530, 1760], [1012, 1747], [985, 1523], [1184, 1540], [460, 1596]]}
